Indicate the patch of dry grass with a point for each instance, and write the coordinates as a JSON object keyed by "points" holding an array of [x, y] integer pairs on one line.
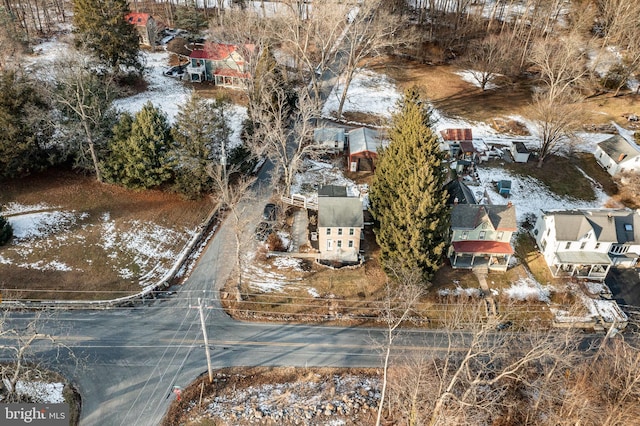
{"points": [[94, 270]]}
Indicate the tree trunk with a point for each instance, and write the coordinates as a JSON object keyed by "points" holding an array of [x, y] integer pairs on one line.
{"points": [[347, 81], [92, 150]]}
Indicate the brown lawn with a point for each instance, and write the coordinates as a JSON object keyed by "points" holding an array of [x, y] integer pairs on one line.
{"points": [[95, 269]]}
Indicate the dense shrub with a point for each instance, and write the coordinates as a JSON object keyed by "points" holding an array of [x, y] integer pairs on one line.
{"points": [[6, 230]]}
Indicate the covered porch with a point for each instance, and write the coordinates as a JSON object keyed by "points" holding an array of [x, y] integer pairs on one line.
{"points": [[493, 255], [581, 264]]}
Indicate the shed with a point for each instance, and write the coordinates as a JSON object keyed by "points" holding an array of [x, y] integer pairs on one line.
{"points": [[332, 138], [504, 187], [364, 144], [519, 152]]}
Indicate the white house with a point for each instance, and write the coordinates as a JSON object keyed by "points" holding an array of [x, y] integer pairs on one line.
{"points": [[617, 155], [586, 243]]}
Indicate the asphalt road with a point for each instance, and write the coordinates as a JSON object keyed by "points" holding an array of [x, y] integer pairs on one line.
{"points": [[127, 360]]}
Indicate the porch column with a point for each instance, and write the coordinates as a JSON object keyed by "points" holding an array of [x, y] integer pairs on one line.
{"points": [[573, 269], [455, 258], [473, 257], [590, 270], [606, 271]]}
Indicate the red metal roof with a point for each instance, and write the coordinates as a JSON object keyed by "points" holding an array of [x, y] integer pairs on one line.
{"points": [[136, 18], [466, 146], [457, 134], [482, 247]]}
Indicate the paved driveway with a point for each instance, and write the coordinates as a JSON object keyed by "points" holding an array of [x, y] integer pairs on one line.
{"points": [[624, 285]]}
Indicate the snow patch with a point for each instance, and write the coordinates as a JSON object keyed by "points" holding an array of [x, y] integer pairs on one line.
{"points": [[528, 289]]}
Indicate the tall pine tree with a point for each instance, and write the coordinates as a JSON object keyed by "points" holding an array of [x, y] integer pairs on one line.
{"points": [[407, 196], [201, 133], [103, 31], [139, 150]]}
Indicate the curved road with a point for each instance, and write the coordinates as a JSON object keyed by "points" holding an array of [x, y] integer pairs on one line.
{"points": [[130, 358]]}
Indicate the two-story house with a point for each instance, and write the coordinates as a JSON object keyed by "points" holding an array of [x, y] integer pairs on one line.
{"points": [[481, 236], [340, 223], [586, 243], [224, 64]]}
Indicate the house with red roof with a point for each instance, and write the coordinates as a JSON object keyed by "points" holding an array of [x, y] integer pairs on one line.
{"points": [[224, 64], [481, 236], [145, 25]]}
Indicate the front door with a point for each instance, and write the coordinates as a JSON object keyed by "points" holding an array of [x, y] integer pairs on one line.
{"points": [[329, 245]]}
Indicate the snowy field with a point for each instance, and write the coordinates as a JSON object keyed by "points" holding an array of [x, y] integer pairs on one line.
{"points": [[41, 231]]}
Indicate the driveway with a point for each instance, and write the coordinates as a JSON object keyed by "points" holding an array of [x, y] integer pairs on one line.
{"points": [[624, 285]]}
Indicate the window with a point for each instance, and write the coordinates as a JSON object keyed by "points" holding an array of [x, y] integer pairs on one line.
{"points": [[548, 231], [351, 231], [464, 235], [582, 246], [328, 231], [350, 243], [500, 235], [482, 234], [339, 231], [543, 244], [597, 246], [568, 245], [339, 243]]}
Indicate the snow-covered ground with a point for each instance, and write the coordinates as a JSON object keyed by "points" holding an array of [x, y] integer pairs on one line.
{"points": [[474, 77], [369, 92], [40, 230]]}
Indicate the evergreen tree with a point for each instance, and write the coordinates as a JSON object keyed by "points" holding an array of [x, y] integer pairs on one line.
{"points": [[201, 133], [103, 31], [407, 197], [189, 17], [6, 230], [25, 124], [138, 157]]}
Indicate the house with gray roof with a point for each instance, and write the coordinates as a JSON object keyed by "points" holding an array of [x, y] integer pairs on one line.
{"points": [[618, 155], [330, 138], [340, 223], [587, 243], [364, 144], [481, 236]]}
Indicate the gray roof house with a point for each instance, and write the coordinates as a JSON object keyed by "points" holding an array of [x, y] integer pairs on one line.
{"points": [[481, 236], [586, 243], [340, 223], [618, 155], [332, 138]]}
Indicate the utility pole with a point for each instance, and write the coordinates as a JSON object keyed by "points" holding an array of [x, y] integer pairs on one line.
{"points": [[206, 341]]}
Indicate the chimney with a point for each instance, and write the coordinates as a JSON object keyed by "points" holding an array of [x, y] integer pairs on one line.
{"points": [[621, 157], [455, 201], [610, 216], [509, 204]]}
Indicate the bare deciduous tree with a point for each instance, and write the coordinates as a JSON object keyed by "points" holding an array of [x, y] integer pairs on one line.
{"points": [[84, 99], [488, 58], [371, 31], [556, 120], [283, 133], [400, 301], [561, 64], [19, 339]]}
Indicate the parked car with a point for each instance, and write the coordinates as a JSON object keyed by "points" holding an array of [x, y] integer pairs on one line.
{"points": [[270, 212], [175, 71], [263, 230]]}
